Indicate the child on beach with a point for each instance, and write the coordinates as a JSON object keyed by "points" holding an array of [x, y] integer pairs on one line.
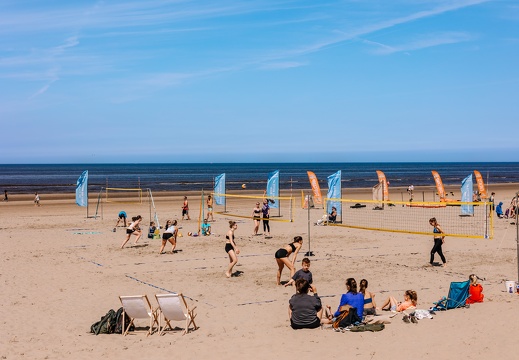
{"points": [[303, 273], [133, 229], [151, 230], [36, 199], [283, 254], [170, 234], [438, 242], [231, 249], [475, 290]]}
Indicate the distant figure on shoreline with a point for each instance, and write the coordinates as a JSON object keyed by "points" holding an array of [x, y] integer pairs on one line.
{"points": [[36, 199], [185, 209], [410, 190], [6, 198]]}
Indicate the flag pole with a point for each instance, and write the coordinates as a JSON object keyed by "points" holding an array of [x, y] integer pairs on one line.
{"points": [[309, 253]]}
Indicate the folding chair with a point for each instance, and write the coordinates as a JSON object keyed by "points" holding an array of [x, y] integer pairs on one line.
{"points": [[138, 307], [458, 295], [171, 309]]}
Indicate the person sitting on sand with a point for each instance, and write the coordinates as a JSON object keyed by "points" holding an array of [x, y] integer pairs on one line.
{"points": [[206, 228], [331, 217], [475, 290], [369, 298], [133, 229], [410, 301], [499, 210], [304, 311], [231, 248], [352, 298], [151, 230], [170, 234], [283, 254]]}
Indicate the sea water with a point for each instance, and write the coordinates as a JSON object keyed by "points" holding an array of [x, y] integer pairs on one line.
{"points": [[59, 178]]}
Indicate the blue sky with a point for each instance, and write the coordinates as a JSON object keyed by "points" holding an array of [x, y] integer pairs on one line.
{"points": [[258, 81]]}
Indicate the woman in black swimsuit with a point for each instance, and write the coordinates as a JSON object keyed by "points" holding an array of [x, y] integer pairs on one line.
{"points": [[230, 248], [256, 215], [282, 257]]}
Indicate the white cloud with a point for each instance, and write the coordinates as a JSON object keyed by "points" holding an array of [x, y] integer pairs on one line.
{"points": [[423, 43]]}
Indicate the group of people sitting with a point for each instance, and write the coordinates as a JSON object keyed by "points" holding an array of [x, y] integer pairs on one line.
{"points": [[510, 212], [307, 311]]}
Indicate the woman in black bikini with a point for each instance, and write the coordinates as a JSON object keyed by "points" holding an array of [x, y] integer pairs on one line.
{"points": [[230, 248], [256, 215], [282, 257]]}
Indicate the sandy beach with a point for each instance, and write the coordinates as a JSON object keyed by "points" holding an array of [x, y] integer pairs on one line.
{"points": [[62, 271]]}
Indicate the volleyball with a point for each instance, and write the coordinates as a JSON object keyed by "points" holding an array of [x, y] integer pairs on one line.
{"points": [[243, 186]]}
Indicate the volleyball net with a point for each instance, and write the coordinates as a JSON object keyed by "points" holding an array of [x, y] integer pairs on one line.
{"points": [[123, 195], [457, 219], [241, 206]]}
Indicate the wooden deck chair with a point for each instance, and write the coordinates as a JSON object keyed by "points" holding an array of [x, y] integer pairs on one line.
{"points": [[139, 307], [171, 309]]}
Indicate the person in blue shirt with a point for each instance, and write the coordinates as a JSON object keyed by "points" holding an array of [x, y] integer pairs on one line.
{"points": [[352, 297], [499, 210], [121, 217], [206, 228]]}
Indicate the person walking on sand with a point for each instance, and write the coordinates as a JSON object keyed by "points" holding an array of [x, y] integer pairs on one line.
{"points": [[185, 209], [6, 198], [36, 199], [231, 248], [256, 216], [133, 229], [210, 207], [438, 242], [170, 234], [282, 257]]}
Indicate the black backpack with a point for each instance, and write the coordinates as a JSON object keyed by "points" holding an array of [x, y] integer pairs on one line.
{"points": [[346, 318], [106, 325]]}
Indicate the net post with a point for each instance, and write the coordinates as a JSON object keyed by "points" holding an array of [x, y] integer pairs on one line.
{"points": [[309, 252]]}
